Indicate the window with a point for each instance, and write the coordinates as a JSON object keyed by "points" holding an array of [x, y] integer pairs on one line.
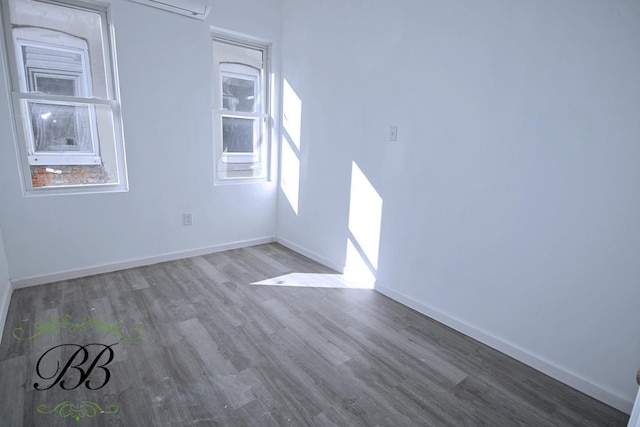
{"points": [[64, 95], [62, 133], [241, 119]]}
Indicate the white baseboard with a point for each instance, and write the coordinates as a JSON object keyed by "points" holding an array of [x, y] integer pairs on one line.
{"points": [[634, 419], [560, 373], [563, 374], [139, 262], [4, 307], [310, 254]]}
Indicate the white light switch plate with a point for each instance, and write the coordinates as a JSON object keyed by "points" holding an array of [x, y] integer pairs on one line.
{"points": [[393, 133]]}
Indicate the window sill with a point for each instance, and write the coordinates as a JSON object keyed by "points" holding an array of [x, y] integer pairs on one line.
{"points": [[75, 190], [240, 181], [63, 160]]}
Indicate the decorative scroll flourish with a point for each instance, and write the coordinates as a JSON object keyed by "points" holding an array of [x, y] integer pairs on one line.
{"points": [[86, 409], [64, 322]]}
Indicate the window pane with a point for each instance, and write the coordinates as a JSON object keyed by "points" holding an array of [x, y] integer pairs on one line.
{"points": [[72, 168], [60, 127], [238, 135], [53, 71], [238, 94], [56, 86]]}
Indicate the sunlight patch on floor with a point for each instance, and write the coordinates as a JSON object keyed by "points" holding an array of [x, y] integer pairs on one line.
{"points": [[314, 280]]}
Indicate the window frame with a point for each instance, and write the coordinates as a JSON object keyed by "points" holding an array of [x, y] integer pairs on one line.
{"points": [[262, 114], [28, 77], [18, 96]]}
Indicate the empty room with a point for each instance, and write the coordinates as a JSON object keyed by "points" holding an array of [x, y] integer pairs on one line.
{"points": [[320, 213]]}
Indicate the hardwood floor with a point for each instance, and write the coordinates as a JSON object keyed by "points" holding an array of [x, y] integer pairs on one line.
{"points": [[199, 345]]}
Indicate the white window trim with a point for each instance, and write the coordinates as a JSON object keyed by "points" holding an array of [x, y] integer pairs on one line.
{"points": [[263, 155]]}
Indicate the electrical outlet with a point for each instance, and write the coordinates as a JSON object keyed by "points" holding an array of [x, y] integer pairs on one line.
{"points": [[187, 218], [393, 133]]}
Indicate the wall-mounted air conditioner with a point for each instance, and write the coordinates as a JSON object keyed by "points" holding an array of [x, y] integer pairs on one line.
{"points": [[193, 8]]}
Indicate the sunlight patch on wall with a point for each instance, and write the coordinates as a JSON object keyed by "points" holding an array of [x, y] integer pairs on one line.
{"points": [[365, 220], [290, 161], [291, 113], [290, 175], [356, 269], [365, 215]]}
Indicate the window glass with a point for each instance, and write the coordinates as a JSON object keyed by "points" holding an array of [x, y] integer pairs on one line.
{"points": [[60, 127], [56, 85], [237, 135], [238, 94]]}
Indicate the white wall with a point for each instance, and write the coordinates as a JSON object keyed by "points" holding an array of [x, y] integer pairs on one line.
{"points": [[164, 67], [511, 199], [5, 286]]}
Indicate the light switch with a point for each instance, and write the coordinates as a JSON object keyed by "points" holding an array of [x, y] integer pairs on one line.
{"points": [[393, 133], [187, 218]]}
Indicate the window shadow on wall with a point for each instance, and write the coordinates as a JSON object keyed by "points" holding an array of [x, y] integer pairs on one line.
{"points": [[290, 156], [363, 240]]}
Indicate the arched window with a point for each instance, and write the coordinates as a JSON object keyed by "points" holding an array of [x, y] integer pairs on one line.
{"points": [[240, 111]]}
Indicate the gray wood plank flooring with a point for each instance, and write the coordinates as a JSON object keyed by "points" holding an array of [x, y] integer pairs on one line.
{"points": [[194, 343]]}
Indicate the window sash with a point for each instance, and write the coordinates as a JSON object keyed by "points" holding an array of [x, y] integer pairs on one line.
{"points": [[36, 157], [257, 142], [64, 98], [71, 141], [243, 72], [241, 115], [22, 102], [42, 58], [36, 77]]}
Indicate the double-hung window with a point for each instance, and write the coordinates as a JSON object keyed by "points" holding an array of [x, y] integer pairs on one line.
{"points": [[62, 132], [241, 119], [64, 94]]}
